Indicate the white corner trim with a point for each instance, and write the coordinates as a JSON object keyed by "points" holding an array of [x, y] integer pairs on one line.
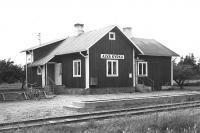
{"points": [[134, 69], [87, 71], [172, 72]]}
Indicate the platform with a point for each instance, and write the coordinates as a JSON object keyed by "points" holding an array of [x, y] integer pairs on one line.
{"points": [[121, 101]]}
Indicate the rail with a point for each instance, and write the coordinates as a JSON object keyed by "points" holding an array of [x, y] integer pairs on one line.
{"points": [[98, 115]]}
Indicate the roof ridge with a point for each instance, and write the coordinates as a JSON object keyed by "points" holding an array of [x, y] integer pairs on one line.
{"points": [[57, 40]]}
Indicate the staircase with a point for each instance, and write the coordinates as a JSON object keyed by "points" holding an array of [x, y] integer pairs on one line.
{"points": [[145, 84], [143, 88]]}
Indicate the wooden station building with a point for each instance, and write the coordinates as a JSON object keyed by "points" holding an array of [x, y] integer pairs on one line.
{"points": [[103, 58]]}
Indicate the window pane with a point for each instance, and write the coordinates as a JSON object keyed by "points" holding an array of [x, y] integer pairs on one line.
{"points": [[75, 68], [111, 36], [114, 68], [140, 68], [79, 68], [109, 68], [144, 69]]}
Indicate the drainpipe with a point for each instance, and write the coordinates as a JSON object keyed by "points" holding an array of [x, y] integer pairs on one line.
{"points": [[87, 77], [27, 69]]}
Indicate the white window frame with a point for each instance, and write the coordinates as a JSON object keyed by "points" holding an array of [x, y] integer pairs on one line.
{"points": [[117, 70], [143, 75], [76, 61], [111, 33], [39, 70]]}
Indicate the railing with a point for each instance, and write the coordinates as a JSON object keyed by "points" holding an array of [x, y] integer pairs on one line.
{"points": [[146, 81]]}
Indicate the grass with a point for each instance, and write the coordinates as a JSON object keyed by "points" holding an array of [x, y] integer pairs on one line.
{"points": [[187, 121]]}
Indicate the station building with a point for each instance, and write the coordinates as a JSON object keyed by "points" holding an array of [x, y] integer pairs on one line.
{"points": [[102, 58]]}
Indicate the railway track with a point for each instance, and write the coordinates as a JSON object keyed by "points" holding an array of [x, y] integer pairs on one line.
{"points": [[98, 115]]}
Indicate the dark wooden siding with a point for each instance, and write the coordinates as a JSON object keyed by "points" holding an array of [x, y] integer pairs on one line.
{"points": [[43, 51], [159, 69], [33, 77], [67, 70], [120, 46]]}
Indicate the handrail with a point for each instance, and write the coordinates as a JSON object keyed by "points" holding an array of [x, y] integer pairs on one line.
{"points": [[51, 80]]}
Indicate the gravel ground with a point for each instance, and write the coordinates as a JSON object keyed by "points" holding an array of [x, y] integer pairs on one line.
{"points": [[30, 109]]}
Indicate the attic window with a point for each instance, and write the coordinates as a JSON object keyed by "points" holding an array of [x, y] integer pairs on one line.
{"points": [[111, 35]]}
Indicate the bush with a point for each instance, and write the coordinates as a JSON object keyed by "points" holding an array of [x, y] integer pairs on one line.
{"points": [[10, 73]]}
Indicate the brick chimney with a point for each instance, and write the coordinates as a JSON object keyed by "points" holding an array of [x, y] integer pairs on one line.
{"points": [[79, 28], [128, 31]]}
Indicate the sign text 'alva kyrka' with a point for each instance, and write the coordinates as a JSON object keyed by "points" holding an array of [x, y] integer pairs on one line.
{"points": [[111, 56]]}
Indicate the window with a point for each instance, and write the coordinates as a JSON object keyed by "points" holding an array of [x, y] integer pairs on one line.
{"points": [[111, 35], [142, 68], [112, 68], [77, 68], [39, 70]]}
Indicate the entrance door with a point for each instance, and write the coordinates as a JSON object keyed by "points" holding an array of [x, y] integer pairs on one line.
{"points": [[58, 73]]}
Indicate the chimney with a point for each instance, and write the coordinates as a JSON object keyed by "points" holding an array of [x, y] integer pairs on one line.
{"points": [[79, 28], [128, 31]]}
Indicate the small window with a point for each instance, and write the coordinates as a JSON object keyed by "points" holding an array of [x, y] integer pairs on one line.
{"points": [[112, 68], [142, 68], [39, 70], [77, 68], [111, 35]]}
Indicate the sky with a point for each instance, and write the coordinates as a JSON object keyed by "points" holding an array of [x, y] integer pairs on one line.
{"points": [[174, 23]]}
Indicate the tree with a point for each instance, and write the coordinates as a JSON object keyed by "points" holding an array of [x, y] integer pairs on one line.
{"points": [[182, 73], [10, 72]]}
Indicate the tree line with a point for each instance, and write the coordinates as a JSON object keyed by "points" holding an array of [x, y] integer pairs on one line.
{"points": [[10, 72]]}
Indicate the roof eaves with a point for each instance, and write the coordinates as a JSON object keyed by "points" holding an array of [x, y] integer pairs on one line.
{"points": [[44, 44], [131, 41], [174, 55], [72, 52]]}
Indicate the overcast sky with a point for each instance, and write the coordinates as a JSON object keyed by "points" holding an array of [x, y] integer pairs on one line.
{"points": [[174, 23]]}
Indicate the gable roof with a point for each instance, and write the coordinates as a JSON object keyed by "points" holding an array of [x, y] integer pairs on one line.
{"points": [[152, 47], [75, 44], [84, 41]]}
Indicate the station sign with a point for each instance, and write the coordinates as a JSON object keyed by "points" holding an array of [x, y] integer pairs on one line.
{"points": [[111, 56]]}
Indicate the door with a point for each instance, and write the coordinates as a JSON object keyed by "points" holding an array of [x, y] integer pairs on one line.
{"points": [[58, 73], [43, 76]]}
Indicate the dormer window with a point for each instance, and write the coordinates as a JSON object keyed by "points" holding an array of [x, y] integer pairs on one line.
{"points": [[111, 35]]}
